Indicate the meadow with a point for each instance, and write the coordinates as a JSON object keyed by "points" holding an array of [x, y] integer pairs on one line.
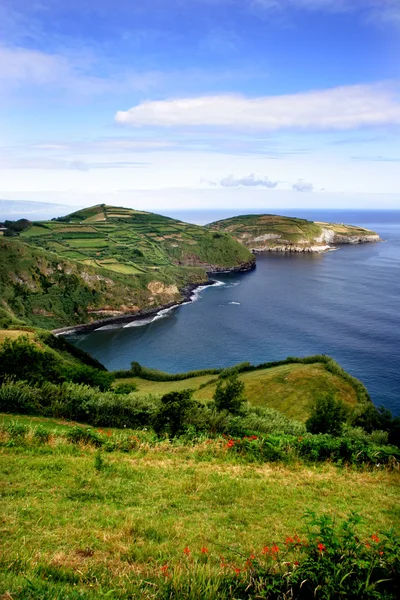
{"points": [[164, 520]]}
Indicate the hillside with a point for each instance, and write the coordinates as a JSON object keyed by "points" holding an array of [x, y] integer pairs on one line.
{"points": [[106, 262], [289, 388], [262, 233]]}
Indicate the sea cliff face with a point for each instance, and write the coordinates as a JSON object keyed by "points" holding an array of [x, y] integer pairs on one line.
{"points": [[272, 233]]}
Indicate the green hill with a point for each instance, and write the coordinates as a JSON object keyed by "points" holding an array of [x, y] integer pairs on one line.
{"points": [[262, 233], [106, 262]]}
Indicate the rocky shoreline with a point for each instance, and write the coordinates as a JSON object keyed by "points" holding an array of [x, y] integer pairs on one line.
{"points": [[187, 293]]}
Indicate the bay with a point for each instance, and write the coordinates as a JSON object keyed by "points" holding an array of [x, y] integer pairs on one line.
{"points": [[343, 303]]}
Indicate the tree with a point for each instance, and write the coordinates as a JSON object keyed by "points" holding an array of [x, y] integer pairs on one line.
{"points": [[328, 415], [230, 396], [173, 411]]}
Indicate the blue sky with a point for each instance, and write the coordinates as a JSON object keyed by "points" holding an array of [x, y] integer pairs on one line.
{"points": [[201, 103]]}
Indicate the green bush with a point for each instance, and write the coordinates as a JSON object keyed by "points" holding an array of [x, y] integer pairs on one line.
{"points": [[125, 388], [328, 415], [172, 415], [230, 394]]}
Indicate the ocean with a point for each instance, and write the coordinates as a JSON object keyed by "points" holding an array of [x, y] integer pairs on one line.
{"points": [[344, 303]]}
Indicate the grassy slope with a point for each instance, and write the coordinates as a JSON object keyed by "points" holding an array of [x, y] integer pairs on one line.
{"points": [[65, 522], [291, 389], [289, 230], [129, 241], [105, 261]]}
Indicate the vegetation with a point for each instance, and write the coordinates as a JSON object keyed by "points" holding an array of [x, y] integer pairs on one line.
{"points": [[265, 232], [103, 262], [88, 513]]}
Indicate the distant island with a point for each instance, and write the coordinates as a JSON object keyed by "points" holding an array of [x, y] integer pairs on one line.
{"points": [[114, 263]]}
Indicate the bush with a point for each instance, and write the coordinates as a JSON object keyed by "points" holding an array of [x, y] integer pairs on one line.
{"points": [[173, 412], [18, 397], [328, 415], [230, 396], [78, 435], [125, 388]]}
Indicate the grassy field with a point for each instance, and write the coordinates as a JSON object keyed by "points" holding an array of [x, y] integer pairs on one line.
{"points": [[78, 526], [291, 389], [101, 232]]}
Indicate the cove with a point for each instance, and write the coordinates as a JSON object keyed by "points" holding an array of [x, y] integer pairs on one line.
{"points": [[343, 303]]}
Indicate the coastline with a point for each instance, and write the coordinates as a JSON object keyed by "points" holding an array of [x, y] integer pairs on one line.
{"points": [[187, 292]]}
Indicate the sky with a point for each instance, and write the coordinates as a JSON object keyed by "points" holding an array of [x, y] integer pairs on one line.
{"points": [[169, 104]]}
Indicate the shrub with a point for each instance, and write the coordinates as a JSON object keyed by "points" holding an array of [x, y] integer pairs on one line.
{"points": [[171, 416], [78, 435], [18, 397], [125, 388], [328, 415], [229, 396]]}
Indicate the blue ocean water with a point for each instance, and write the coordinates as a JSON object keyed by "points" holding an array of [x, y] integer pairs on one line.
{"points": [[344, 303]]}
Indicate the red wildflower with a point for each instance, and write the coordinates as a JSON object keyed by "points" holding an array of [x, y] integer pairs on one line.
{"points": [[204, 550], [230, 444], [367, 545], [265, 550], [289, 540], [274, 549], [237, 571], [321, 547], [164, 571], [374, 538], [381, 553], [186, 551], [251, 557], [108, 433], [296, 563]]}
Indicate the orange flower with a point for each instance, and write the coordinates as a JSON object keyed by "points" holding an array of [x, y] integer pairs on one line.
{"points": [[289, 540], [374, 538], [321, 547], [164, 571], [367, 545], [381, 553], [186, 551], [237, 571], [265, 550], [274, 549], [204, 550]]}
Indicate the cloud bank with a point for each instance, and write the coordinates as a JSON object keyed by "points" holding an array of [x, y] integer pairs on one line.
{"points": [[247, 181], [303, 186], [340, 108]]}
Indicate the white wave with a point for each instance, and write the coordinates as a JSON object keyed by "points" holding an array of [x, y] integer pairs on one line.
{"points": [[238, 303], [107, 327]]}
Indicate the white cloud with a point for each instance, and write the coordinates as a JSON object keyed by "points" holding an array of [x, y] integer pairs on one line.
{"points": [[248, 181], [347, 107], [303, 186]]}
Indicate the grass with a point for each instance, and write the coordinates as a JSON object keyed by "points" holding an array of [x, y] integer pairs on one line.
{"points": [[291, 389], [67, 522], [251, 230]]}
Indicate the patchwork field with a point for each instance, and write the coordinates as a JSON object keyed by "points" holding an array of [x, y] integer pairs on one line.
{"points": [[136, 241]]}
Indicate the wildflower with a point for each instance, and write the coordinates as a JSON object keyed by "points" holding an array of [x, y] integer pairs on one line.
{"points": [[230, 444], [274, 549], [164, 571], [321, 547], [109, 433], [296, 563], [374, 538], [367, 545], [289, 540], [186, 551], [381, 553], [204, 550], [265, 550], [251, 557], [237, 571]]}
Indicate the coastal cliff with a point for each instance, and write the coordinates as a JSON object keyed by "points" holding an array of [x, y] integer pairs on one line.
{"points": [[273, 233]]}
